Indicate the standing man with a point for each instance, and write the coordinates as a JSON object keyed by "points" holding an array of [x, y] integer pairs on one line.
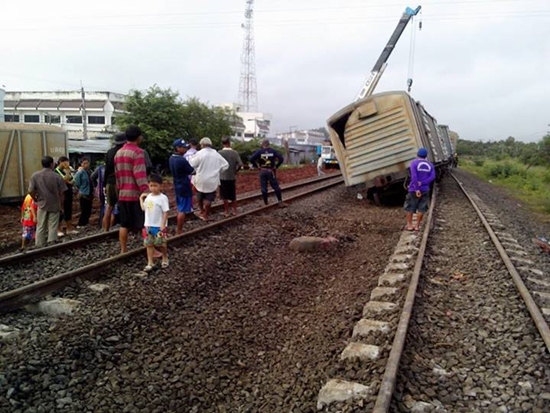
{"points": [[46, 187], [208, 164], [181, 170], [267, 160], [64, 170], [131, 181], [228, 190], [111, 193], [320, 166], [83, 182], [422, 174]]}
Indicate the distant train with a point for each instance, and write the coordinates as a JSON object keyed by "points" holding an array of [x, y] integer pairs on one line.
{"points": [[376, 138]]}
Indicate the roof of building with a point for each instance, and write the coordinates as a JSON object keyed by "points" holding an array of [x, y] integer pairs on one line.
{"points": [[89, 146], [58, 104]]}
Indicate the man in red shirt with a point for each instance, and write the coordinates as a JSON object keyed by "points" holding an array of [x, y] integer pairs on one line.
{"points": [[131, 182]]}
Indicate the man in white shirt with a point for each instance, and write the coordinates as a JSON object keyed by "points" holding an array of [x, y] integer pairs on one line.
{"points": [[208, 164]]}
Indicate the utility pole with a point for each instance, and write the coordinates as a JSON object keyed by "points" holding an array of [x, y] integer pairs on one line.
{"points": [[84, 117], [248, 93]]}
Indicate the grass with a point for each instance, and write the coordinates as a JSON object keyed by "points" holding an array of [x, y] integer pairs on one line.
{"points": [[532, 185]]}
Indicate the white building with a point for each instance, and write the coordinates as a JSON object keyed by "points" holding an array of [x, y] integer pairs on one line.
{"points": [[256, 124], [303, 137], [66, 109]]}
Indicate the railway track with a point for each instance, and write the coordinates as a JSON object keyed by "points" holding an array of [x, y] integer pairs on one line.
{"points": [[32, 284], [379, 339]]}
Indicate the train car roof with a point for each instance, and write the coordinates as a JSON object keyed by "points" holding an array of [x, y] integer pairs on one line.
{"points": [[30, 127]]}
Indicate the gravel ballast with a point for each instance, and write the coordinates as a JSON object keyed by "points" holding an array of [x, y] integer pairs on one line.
{"points": [[237, 323], [471, 346]]}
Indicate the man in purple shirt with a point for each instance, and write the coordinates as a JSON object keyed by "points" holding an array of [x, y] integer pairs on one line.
{"points": [[422, 174]]}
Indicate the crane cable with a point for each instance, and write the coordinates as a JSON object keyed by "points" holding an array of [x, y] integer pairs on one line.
{"points": [[411, 53]]}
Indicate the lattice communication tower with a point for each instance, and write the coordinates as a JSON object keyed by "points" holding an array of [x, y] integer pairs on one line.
{"points": [[248, 93]]}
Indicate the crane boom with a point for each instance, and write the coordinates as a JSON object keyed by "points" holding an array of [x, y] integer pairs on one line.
{"points": [[381, 63]]}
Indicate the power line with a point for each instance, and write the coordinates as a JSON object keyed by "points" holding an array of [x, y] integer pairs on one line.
{"points": [[327, 21], [295, 9]]}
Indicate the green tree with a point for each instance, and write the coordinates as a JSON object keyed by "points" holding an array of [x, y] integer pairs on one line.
{"points": [[163, 117]]}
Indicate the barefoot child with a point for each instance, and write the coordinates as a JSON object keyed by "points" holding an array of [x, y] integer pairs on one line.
{"points": [[155, 205], [28, 220]]}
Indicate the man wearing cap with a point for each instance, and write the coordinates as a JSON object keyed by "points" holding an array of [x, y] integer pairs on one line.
{"points": [[180, 169], [208, 164], [131, 181], [111, 195], [422, 173], [267, 160]]}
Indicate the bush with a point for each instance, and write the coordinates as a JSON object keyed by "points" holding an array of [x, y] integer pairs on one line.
{"points": [[503, 169]]}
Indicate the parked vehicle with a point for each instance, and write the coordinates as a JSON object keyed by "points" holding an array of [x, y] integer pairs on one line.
{"points": [[22, 147]]}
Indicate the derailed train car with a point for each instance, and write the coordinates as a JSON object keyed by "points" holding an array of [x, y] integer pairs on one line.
{"points": [[21, 150], [376, 138]]}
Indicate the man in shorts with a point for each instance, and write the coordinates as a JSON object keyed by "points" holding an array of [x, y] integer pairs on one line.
{"points": [[422, 173], [131, 181], [111, 194], [208, 164], [228, 191], [181, 170]]}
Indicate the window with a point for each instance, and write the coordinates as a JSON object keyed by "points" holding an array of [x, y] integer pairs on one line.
{"points": [[52, 119], [113, 119], [96, 120], [31, 118], [74, 119], [11, 118]]}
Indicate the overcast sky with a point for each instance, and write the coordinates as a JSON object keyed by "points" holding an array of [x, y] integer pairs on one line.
{"points": [[480, 66]]}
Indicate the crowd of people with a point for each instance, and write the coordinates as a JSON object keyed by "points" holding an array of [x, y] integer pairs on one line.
{"points": [[132, 198]]}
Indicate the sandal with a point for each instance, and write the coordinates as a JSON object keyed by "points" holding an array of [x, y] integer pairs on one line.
{"points": [[165, 264], [148, 268]]}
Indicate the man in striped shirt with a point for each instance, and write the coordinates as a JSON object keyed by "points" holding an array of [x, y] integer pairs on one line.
{"points": [[131, 181]]}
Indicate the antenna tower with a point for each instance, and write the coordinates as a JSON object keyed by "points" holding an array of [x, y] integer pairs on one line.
{"points": [[248, 93]]}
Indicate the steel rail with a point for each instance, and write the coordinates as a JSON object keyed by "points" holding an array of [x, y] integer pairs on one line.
{"points": [[78, 242], [19, 297], [385, 393], [533, 308]]}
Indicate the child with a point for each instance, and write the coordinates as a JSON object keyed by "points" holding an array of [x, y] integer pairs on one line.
{"points": [[28, 220], [156, 209]]}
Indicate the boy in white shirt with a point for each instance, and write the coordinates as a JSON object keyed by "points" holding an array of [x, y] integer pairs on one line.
{"points": [[156, 207]]}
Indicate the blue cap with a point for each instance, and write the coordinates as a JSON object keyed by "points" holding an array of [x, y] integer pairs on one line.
{"points": [[422, 152], [180, 143]]}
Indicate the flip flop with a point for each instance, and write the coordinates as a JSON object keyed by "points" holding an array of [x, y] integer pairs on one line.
{"points": [[406, 228]]}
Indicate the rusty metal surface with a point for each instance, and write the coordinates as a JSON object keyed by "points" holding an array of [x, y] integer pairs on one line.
{"points": [[19, 297], [387, 386], [533, 308], [21, 150], [377, 136]]}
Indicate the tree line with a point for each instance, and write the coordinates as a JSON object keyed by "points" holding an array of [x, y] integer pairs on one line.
{"points": [[531, 153]]}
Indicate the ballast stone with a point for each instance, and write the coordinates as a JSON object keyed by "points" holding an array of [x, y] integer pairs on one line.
{"points": [[364, 327], [390, 279], [380, 292], [8, 333], [377, 307], [99, 287], [56, 307], [305, 244], [339, 391], [360, 351]]}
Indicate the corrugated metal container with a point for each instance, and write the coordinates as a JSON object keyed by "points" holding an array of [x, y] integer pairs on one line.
{"points": [[21, 150], [376, 139], [447, 139]]}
